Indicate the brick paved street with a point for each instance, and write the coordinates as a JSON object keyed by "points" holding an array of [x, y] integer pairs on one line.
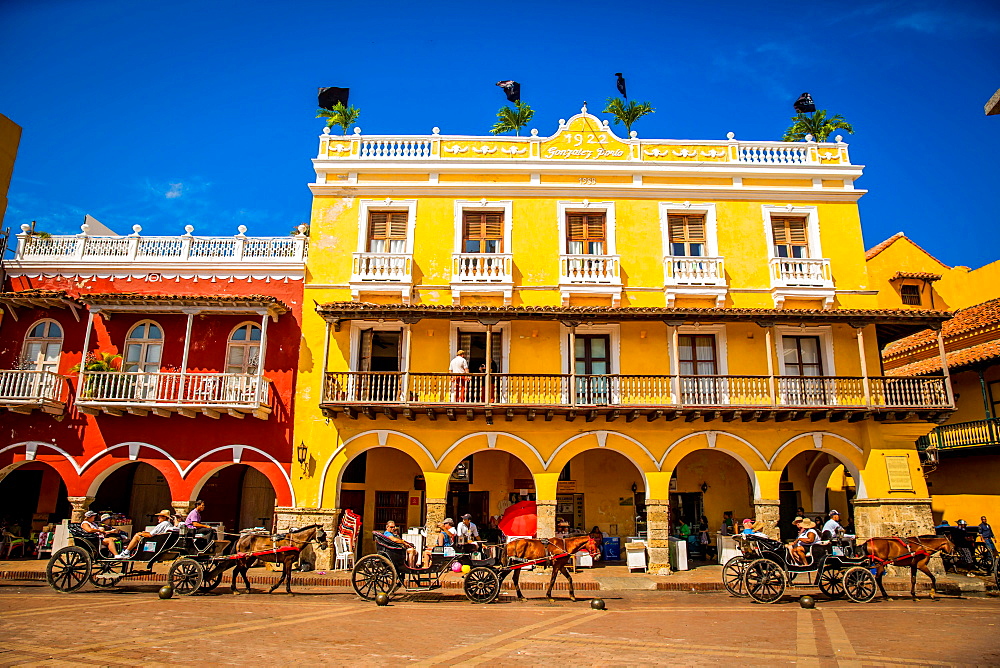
{"points": [[323, 625]]}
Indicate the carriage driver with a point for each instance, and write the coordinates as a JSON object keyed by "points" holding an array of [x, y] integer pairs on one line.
{"points": [[392, 533], [466, 530], [832, 529], [165, 525]]}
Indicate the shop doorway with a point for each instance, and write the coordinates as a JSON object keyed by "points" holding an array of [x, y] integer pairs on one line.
{"points": [[382, 484], [34, 496], [240, 497]]}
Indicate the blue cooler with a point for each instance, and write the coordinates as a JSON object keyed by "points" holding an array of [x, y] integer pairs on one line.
{"points": [[611, 549]]}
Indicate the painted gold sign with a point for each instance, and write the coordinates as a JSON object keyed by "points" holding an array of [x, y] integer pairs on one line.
{"points": [[585, 138], [897, 469]]}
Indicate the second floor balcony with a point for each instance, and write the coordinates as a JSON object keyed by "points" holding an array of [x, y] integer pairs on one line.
{"points": [[166, 392], [482, 274], [382, 272], [801, 278], [590, 275], [694, 276], [24, 391], [748, 398]]}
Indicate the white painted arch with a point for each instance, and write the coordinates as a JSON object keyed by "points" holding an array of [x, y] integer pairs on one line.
{"points": [[818, 438]]}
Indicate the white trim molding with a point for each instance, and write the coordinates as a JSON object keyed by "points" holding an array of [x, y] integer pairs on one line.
{"points": [[693, 276], [596, 275], [807, 278], [384, 272]]}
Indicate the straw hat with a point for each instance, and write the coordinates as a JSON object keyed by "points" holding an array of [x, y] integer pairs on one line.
{"points": [[163, 513], [807, 523]]}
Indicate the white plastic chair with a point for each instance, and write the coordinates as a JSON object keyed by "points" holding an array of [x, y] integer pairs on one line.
{"points": [[345, 556]]}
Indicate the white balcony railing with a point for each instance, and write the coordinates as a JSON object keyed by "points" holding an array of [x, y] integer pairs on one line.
{"points": [[161, 249], [382, 268], [394, 148], [171, 389], [693, 271], [590, 269], [30, 387], [801, 272], [476, 268]]}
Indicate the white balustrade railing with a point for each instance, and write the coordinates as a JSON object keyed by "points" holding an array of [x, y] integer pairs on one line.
{"points": [[171, 388], [776, 153], [792, 272], [638, 391], [454, 147], [482, 268], [395, 148], [183, 248], [593, 269], [382, 267], [693, 270], [28, 386]]}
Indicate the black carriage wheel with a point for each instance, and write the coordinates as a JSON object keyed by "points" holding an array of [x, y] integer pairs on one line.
{"points": [[211, 583], [482, 585], [68, 569], [374, 574], [732, 576], [831, 582], [107, 573], [984, 558], [859, 584], [185, 576], [764, 581]]}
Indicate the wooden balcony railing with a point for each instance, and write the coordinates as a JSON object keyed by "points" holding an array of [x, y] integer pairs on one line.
{"points": [[642, 391], [972, 434], [185, 393], [24, 390]]}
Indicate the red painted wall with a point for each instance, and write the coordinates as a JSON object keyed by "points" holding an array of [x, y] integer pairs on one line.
{"points": [[86, 439]]}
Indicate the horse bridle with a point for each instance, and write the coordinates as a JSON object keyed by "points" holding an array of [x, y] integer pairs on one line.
{"points": [[315, 539]]}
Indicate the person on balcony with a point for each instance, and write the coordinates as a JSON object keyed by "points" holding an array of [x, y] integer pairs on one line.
{"points": [[459, 365]]}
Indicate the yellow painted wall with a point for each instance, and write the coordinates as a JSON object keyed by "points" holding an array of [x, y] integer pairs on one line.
{"points": [[966, 488]]}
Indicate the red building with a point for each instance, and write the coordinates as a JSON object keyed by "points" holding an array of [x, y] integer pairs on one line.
{"points": [[190, 348]]}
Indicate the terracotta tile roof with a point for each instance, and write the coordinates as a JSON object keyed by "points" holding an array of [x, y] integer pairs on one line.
{"points": [[36, 298], [269, 302], [878, 248], [957, 359], [36, 293], [964, 321], [921, 275], [590, 313]]}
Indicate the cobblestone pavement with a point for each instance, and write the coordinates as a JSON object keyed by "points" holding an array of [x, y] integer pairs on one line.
{"points": [[324, 625]]}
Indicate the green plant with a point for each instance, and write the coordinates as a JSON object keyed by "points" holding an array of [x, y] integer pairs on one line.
{"points": [[816, 124], [627, 113], [339, 116], [512, 119], [99, 362]]}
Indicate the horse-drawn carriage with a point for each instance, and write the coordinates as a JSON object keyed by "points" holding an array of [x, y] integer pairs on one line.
{"points": [[198, 561], [387, 570], [971, 551], [766, 568]]}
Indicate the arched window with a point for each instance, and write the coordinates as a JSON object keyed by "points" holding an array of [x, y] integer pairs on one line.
{"points": [[42, 347], [243, 355], [144, 347]]}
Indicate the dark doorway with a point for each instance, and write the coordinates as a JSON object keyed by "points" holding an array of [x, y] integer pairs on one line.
{"points": [[137, 491]]}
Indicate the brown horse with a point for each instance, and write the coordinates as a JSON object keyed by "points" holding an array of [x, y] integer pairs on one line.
{"points": [[914, 551], [557, 550], [297, 538]]}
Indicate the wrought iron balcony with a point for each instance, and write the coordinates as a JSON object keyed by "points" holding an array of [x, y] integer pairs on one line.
{"points": [[23, 391], [692, 397], [166, 392], [977, 433]]}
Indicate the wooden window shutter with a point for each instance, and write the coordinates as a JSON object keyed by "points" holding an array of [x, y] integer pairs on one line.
{"points": [[387, 225], [487, 225], [585, 227], [686, 228], [790, 231]]}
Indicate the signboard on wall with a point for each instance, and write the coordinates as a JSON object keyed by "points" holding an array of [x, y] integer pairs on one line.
{"points": [[897, 469]]}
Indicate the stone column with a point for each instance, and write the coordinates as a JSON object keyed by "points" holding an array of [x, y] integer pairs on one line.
{"points": [[546, 512], [300, 517], [767, 511], [895, 517], [658, 535], [435, 512], [79, 505]]}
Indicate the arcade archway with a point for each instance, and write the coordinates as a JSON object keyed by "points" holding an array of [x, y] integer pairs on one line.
{"points": [[484, 484], [135, 490], [34, 495], [812, 483], [603, 488], [239, 496]]}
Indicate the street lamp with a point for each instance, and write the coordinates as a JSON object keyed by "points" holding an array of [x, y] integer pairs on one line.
{"points": [[301, 453]]}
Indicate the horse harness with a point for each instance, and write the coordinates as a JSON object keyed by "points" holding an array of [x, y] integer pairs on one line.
{"points": [[297, 545], [924, 551]]}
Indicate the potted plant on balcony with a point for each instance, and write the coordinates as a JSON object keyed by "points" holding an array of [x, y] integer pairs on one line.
{"points": [[101, 362]]}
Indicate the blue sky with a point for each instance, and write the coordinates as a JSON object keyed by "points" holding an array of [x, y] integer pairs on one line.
{"points": [[165, 114]]}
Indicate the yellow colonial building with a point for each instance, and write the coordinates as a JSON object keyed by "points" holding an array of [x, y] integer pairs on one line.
{"points": [[655, 330]]}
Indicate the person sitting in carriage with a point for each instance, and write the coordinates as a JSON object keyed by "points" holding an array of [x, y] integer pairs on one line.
{"points": [[392, 533], [832, 529], [165, 525], [90, 525], [807, 536]]}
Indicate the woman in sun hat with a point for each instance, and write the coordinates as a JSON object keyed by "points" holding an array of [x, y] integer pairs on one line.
{"points": [[807, 536]]}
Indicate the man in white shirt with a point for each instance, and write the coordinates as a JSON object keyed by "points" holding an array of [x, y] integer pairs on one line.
{"points": [[832, 526], [466, 530], [164, 526], [457, 365]]}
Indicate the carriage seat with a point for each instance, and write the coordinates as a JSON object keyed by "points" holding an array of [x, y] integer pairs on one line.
{"points": [[395, 552], [151, 546]]}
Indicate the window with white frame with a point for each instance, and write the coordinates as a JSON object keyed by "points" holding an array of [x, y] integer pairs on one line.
{"points": [[386, 226], [243, 353], [587, 228], [144, 347], [792, 231], [42, 347]]}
